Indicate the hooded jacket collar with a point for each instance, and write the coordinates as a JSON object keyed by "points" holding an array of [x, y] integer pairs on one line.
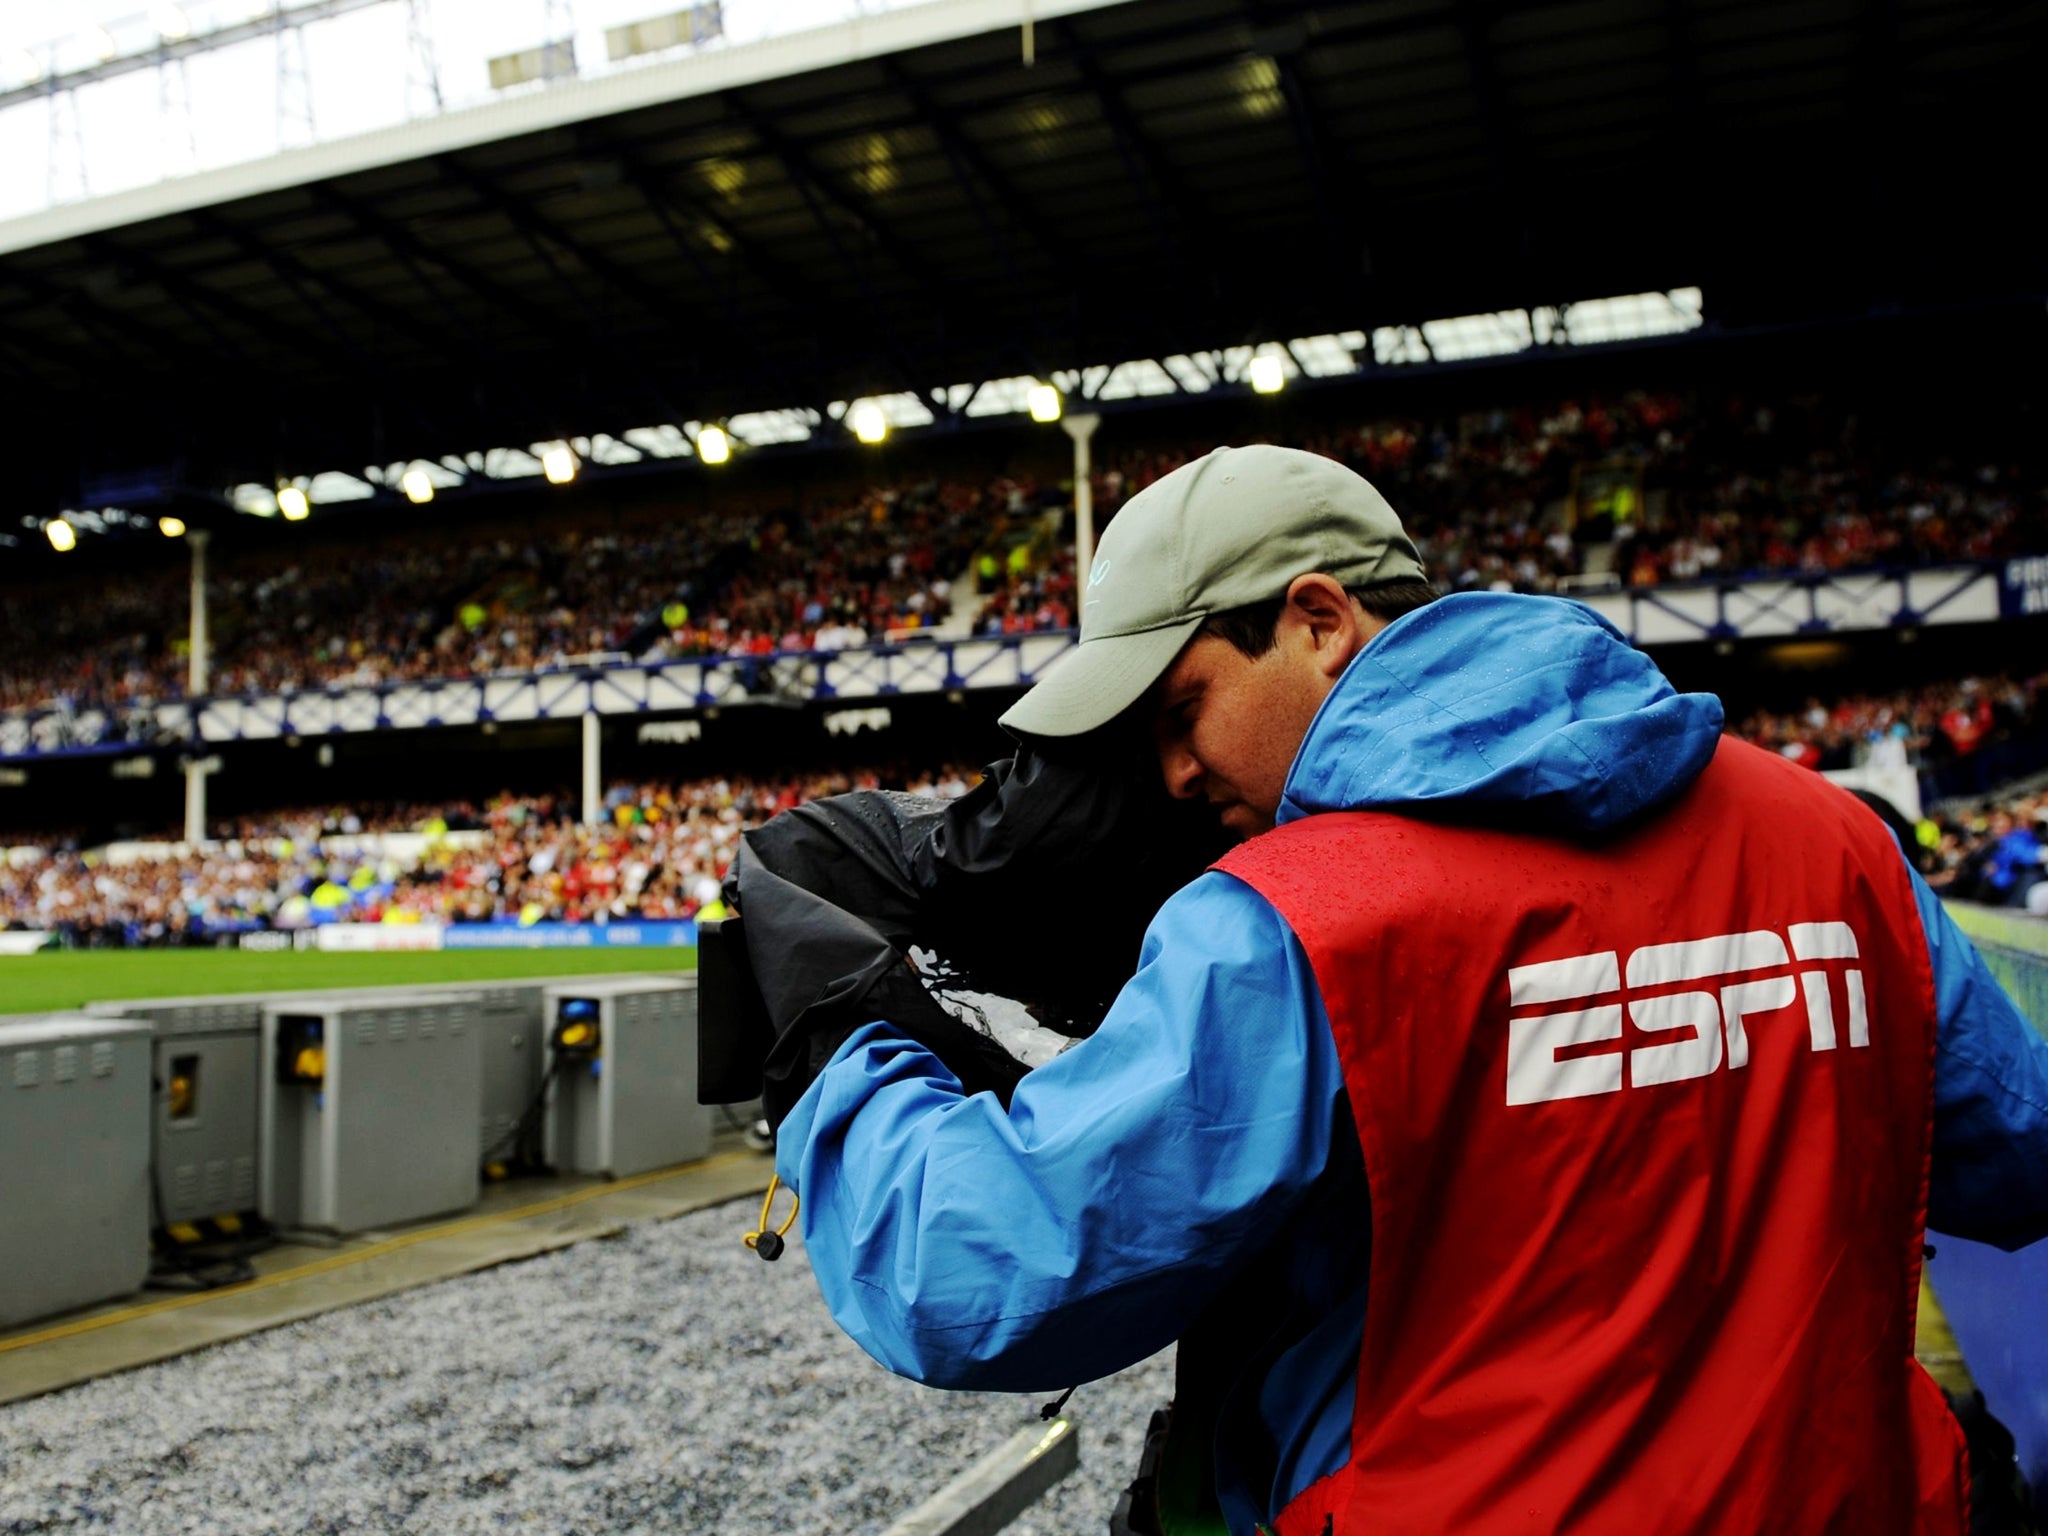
{"points": [[1532, 710]]}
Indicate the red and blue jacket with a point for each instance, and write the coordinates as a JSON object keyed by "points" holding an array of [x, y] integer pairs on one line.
{"points": [[1208, 1128]]}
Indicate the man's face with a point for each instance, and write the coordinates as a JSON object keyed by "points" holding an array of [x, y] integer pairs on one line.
{"points": [[1227, 727]]}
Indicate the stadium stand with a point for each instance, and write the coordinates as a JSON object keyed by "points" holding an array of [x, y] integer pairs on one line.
{"points": [[1978, 745], [918, 217], [512, 601], [1032, 595], [1729, 487], [664, 845], [1634, 488], [1992, 855], [1946, 725], [516, 858]]}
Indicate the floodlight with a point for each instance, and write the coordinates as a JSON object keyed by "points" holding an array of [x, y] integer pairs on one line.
{"points": [[558, 464], [713, 446], [1045, 403], [62, 535], [1268, 373], [171, 22], [102, 43], [28, 66], [291, 501], [869, 424], [171, 527], [418, 486]]}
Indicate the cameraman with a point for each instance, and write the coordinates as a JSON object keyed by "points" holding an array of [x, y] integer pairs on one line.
{"points": [[1528, 1126]]}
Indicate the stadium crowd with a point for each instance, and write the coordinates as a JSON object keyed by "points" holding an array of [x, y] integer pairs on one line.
{"points": [[1636, 488], [662, 848], [1646, 487], [1031, 593], [659, 854], [1993, 855], [465, 606], [1919, 728], [1992, 851]]}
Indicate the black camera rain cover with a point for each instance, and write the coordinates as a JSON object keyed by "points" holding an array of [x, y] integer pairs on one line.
{"points": [[1037, 885]]}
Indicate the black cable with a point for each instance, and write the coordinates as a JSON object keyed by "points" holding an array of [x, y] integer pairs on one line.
{"points": [[175, 1271], [518, 1139]]}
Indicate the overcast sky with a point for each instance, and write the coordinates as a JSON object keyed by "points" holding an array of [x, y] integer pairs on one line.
{"points": [[357, 66]]}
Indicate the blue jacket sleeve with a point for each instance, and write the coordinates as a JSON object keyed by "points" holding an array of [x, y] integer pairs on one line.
{"points": [[1132, 1176], [1989, 1180]]}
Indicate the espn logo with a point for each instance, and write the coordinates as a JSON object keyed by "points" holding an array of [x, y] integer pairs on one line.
{"points": [[1703, 1027]]}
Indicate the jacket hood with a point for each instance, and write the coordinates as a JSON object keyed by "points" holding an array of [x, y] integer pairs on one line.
{"points": [[1529, 710]]}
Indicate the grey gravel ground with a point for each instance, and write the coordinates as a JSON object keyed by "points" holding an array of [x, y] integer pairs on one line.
{"points": [[662, 1381]]}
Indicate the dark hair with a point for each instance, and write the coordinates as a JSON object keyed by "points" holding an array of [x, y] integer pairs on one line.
{"points": [[1254, 628]]}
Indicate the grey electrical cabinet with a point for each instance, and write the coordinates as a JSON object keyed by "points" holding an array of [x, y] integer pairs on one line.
{"points": [[369, 1109], [623, 1051], [514, 1027], [508, 1029], [511, 1033], [207, 1071], [203, 1118], [74, 1163]]}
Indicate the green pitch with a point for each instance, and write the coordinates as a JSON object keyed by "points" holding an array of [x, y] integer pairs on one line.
{"points": [[58, 980]]}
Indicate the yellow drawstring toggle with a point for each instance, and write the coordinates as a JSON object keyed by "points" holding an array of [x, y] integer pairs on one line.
{"points": [[764, 1242]]}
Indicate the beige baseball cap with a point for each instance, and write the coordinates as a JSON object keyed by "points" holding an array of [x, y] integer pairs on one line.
{"points": [[1233, 527]]}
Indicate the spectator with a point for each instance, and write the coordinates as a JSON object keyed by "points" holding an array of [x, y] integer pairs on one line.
{"points": [[660, 853], [1640, 487], [1928, 729]]}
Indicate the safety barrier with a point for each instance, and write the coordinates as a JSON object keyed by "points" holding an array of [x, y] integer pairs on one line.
{"points": [[1995, 1300]]}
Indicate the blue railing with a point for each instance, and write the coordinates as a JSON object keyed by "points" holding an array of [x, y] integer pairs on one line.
{"points": [[1997, 1302], [873, 672], [1673, 613]]}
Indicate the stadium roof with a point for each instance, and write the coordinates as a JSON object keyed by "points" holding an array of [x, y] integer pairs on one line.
{"points": [[907, 202]]}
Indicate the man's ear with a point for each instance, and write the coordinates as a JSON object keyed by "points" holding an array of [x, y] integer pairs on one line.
{"points": [[1321, 611]]}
